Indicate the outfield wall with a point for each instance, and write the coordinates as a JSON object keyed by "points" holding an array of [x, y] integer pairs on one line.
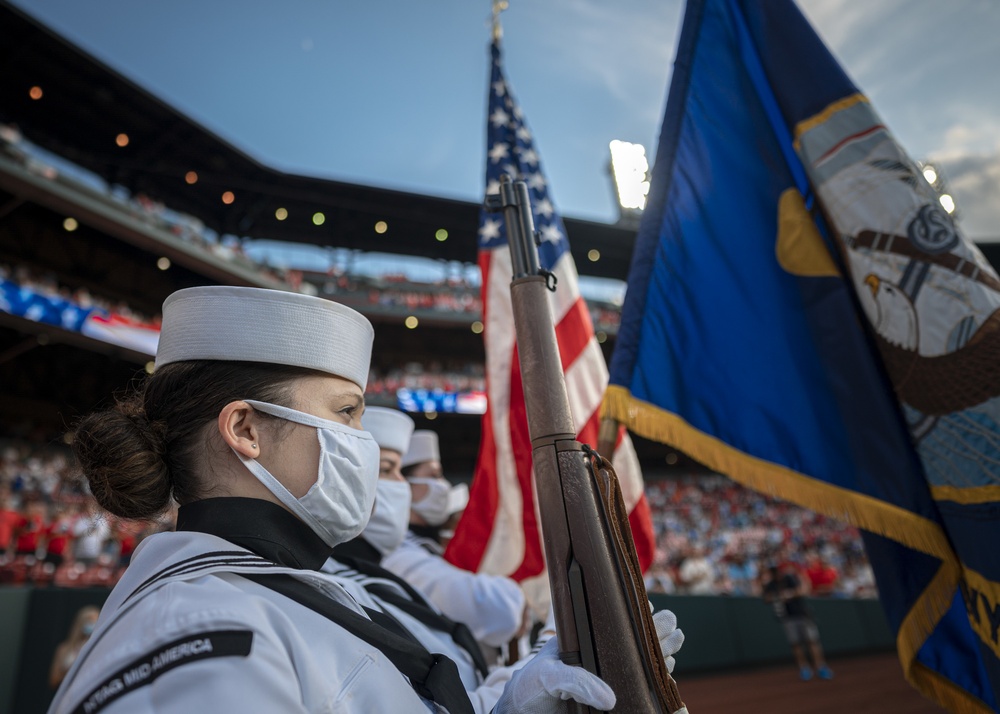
{"points": [[721, 633], [731, 632]]}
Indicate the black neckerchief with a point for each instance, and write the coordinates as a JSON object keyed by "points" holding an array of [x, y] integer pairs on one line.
{"points": [[260, 526], [358, 549], [429, 532]]}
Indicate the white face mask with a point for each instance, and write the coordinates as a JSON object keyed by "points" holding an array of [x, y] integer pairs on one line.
{"points": [[433, 507], [458, 498], [338, 505], [388, 525]]}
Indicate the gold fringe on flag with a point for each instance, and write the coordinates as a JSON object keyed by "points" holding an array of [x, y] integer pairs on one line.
{"points": [[862, 511]]}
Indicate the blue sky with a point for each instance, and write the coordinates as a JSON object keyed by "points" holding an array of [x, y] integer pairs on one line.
{"points": [[393, 94]]}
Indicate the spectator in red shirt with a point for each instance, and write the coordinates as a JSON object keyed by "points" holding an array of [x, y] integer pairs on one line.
{"points": [[127, 534], [9, 518], [58, 535], [29, 529], [822, 576]]}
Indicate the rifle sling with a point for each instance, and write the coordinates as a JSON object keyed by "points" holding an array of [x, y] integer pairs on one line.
{"points": [[613, 505], [432, 676], [461, 634], [415, 605]]}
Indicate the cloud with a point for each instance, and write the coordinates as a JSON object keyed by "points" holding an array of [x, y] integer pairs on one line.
{"points": [[974, 181], [623, 48], [928, 67], [972, 130], [969, 162], [859, 35]]}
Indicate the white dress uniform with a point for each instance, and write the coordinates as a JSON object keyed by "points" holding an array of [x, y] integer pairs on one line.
{"points": [[483, 693], [229, 613], [184, 632], [491, 606]]}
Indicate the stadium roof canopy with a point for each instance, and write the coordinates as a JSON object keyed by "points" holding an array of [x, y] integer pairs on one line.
{"points": [[85, 106]]}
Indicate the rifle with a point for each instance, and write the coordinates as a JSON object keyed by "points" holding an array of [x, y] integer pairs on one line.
{"points": [[601, 609]]}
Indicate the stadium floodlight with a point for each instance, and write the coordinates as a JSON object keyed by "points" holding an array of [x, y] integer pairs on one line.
{"points": [[629, 172], [935, 177]]}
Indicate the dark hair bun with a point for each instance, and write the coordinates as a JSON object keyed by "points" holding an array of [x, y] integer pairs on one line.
{"points": [[121, 454]]}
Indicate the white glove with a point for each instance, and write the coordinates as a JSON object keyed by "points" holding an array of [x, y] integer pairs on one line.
{"points": [[545, 683], [669, 636]]}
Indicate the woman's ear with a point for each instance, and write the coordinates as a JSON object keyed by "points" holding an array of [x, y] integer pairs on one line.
{"points": [[239, 427]]}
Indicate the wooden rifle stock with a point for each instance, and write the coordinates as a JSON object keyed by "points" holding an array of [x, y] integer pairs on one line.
{"points": [[601, 609]]}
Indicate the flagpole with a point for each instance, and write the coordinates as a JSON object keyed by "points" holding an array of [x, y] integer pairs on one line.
{"points": [[498, 7], [607, 437]]}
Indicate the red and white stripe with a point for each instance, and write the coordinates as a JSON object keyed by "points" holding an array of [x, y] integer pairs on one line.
{"points": [[499, 532]]}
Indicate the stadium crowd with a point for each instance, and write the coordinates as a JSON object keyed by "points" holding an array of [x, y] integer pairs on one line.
{"points": [[606, 319], [714, 537], [465, 377], [396, 291], [447, 299], [51, 530]]}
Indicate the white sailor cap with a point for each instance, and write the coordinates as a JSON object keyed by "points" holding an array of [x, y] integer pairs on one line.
{"points": [[390, 428], [272, 326], [423, 447]]}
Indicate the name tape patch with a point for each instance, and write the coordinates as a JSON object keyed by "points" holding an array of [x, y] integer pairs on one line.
{"points": [[145, 669]]}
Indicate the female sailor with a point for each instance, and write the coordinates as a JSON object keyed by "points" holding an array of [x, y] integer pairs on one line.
{"points": [[251, 422]]}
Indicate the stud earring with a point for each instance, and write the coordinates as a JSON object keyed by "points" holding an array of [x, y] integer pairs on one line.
{"points": [[253, 446]]}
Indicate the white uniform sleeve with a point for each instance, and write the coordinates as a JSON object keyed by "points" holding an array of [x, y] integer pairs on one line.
{"points": [[264, 681], [196, 648], [211, 670], [491, 606]]}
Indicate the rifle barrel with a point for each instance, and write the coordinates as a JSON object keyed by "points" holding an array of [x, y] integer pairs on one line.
{"points": [[601, 615]]}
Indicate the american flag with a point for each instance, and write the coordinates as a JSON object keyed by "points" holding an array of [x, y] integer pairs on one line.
{"points": [[499, 531]]}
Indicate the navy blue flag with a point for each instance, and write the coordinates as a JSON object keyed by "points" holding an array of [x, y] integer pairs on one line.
{"points": [[804, 316]]}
